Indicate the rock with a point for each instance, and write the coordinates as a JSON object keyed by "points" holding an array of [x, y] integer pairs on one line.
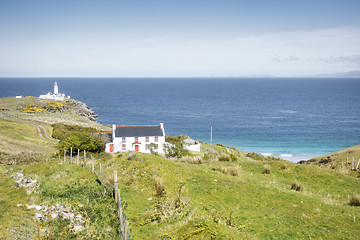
{"points": [[38, 207], [31, 206], [71, 216], [78, 228], [65, 215], [19, 205], [54, 215], [38, 216], [17, 175]]}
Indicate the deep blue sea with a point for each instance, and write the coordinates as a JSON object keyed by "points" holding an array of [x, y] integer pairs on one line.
{"points": [[298, 117]]}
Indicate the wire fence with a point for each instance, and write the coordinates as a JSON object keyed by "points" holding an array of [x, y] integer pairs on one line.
{"points": [[90, 163]]}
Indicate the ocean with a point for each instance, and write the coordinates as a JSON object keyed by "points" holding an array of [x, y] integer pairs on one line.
{"points": [[295, 118]]}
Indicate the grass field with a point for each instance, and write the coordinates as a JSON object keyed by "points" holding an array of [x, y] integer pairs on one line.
{"points": [[219, 193]]}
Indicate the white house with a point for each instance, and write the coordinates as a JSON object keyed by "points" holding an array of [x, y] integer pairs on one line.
{"points": [[54, 96], [137, 138]]}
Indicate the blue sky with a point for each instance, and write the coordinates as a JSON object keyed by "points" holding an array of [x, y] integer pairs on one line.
{"points": [[158, 38]]}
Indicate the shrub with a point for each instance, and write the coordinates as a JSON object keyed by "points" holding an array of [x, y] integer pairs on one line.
{"points": [[159, 187], [266, 169], [32, 108], [233, 157], [131, 156], [191, 160], [296, 186], [224, 158], [284, 167], [223, 170], [354, 200], [174, 150], [212, 155], [234, 171], [82, 141]]}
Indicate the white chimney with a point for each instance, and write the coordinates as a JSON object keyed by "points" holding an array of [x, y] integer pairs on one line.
{"points": [[113, 131], [162, 127]]}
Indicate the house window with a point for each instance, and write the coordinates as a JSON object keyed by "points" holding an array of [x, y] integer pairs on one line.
{"points": [[146, 146], [146, 139], [156, 139], [136, 139], [123, 147], [124, 139]]}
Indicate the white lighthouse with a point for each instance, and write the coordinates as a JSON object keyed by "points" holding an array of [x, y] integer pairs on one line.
{"points": [[56, 89], [54, 96]]}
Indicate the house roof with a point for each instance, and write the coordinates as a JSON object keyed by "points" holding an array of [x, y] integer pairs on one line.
{"points": [[138, 131]]}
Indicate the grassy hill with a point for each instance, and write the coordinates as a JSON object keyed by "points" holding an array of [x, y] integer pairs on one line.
{"points": [[219, 193], [344, 161]]}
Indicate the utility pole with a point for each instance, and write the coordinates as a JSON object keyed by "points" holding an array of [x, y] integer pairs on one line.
{"points": [[211, 138]]}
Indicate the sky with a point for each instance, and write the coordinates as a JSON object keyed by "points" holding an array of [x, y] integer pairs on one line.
{"points": [[178, 38]]}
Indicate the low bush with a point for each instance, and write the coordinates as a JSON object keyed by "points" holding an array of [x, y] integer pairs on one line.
{"points": [[284, 167], [354, 200], [266, 169], [234, 170], [191, 160], [223, 170], [21, 158], [296, 186], [159, 187], [224, 158]]}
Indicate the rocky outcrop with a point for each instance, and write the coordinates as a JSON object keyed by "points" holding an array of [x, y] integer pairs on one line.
{"points": [[47, 213], [81, 109], [28, 183]]}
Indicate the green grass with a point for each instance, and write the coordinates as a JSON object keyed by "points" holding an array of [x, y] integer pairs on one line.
{"points": [[218, 199], [340, 161], [262, 205], [16, 137], [69, 185]]}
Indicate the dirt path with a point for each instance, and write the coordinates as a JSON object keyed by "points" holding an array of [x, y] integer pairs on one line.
{"points": [[40, 129]]}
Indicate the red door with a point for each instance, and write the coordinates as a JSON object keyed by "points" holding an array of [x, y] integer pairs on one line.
{"points": [[111, 147], [137, 148]]}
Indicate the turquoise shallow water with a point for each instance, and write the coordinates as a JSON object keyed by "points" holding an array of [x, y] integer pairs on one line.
{"points": [[295, 118]]}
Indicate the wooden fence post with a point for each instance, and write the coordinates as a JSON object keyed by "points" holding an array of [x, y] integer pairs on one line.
{"points": [[84, 158], [78, 157], [126, 229], [71, 155], [100, 171], [115, 186], [93, 165], [121, 221], [358, 164], [353, 163]]}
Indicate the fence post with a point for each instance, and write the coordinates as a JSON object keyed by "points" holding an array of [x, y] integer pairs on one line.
{"points": [[126, 229], [352, 164], [78, 157], [93, 166], [358, 164], [115, 186], [121, 222], [71, 155], [84, 158], [100, 172]]}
